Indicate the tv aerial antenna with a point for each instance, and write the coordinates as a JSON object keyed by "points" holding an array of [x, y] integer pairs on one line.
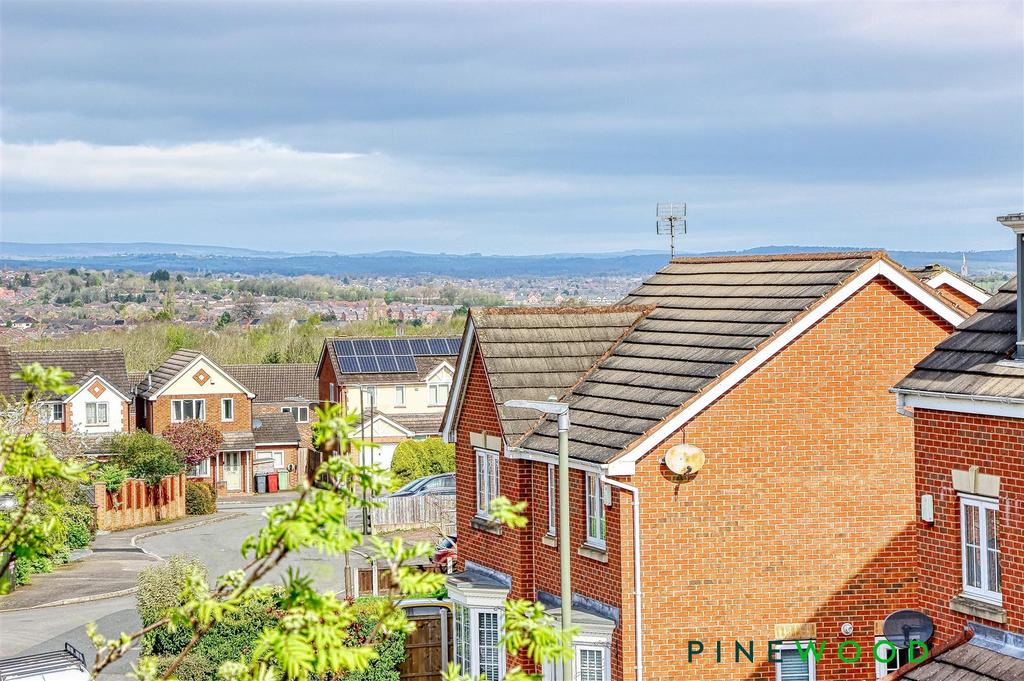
{"points": [[671, 220]]}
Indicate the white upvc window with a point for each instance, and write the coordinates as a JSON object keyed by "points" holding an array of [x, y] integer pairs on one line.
{"points": [[596, 528], [399, 395], [979, 538], [477, 646], [591, 659], [301, 414], [792, 665], [331, 393], [552, 501], [592, 664], [183, 410], [96, 414], [892, 658], [201, 469], [278, 458], [438, 394], [227, 409], [52, 412], [488, 481]]}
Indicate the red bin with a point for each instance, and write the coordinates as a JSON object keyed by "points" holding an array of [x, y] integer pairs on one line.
{"points": [[272, 483]]}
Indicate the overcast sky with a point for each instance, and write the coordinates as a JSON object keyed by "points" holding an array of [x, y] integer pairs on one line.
{"points": [[512, 128]]}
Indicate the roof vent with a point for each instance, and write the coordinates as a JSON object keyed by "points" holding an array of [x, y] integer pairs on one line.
{"points": [[1015, 221]]}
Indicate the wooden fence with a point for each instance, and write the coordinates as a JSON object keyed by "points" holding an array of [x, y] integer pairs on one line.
{"points": [[409, 513]]}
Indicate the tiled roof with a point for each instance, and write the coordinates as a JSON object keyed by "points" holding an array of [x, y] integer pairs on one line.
{"points": [[277, 428], [968, 662], [236, 441], [108, 363], [165, 372], [533, 353], [420, 424], [277, 382], [968, 362], [711, 314]]}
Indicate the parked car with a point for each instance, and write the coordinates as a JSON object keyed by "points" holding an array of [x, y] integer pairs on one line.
{"points": [[442, 483], [445, 549]]}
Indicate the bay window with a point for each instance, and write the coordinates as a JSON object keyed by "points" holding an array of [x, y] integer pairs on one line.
{"points": [[979, 533], [478, 641]]}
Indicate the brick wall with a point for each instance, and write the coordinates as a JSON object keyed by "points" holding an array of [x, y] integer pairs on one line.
{"points": [[946, 441], [804, 512], [963, 303], [305, 429], [159, 412], [136, 504], [324, 380]]}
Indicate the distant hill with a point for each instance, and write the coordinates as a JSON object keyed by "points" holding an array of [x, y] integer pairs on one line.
{"points": [[146, 257]]}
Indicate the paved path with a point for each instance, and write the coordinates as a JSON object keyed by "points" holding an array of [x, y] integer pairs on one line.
{"points": [[218, 545]]}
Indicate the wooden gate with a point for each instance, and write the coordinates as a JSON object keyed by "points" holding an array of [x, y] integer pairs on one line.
{"points": [[428, 648]]}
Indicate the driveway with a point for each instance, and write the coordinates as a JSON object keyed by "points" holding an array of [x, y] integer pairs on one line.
{"points": [[218, 545]]}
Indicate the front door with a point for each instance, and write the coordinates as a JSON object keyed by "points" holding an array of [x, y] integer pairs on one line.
{"points": [[233, 470]]}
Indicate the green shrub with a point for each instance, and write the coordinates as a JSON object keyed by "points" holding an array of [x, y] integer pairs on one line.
{"points": [[199, 499], [193, 667], [418, 458], [160, 588], [112, 475], [236, 634], [390, 649], [25, 567], [79, 521], [146, 456]]}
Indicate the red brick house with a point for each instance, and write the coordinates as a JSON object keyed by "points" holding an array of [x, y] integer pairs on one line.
{"points": [[967, 401], [101, 404], [963, 295], [803, 519], [189, 385]]}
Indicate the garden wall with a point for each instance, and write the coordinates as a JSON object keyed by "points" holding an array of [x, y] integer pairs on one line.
{"points": [[137, 504]]}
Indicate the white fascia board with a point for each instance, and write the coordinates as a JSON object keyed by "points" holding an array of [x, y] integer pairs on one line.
{"points": [[626, 465], [200, 357], [107, 384], [379, 417], [965, 287], [545, 457], [965, 404], [458, 386], [276, 444], [436, 370]]}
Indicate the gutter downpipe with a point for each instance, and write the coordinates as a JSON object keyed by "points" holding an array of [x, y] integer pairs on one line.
{"points": [[637, 592], [901, 405]]}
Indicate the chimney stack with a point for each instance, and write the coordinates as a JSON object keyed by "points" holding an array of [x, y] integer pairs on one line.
{"points": [[1015, 221]]}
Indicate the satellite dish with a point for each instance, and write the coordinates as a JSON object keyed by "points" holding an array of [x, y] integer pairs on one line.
{"points": [[904, 626], [257, 424], [685, 459]]}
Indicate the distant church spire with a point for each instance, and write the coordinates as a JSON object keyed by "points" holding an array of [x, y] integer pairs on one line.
{"points": [[963, 266]]}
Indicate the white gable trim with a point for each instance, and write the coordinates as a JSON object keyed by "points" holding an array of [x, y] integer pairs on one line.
{"points": [[438, 369], [965, 287], [965, 404], [107, 384], [377, 418], [626, 464], [199, 358], [544, 457], [459, 383]]}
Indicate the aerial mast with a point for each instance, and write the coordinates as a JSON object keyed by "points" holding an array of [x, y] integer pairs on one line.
{"points": [[671, 218]]}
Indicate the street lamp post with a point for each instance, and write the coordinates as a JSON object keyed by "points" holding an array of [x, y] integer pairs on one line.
{"points": [[561, 410]]}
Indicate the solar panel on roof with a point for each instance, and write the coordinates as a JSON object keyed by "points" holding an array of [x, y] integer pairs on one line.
{"points": [[400, 346], [349, 365], [388, 363], [343, 347], [368, 365], [438, 346], [363, 348], [382, 347], [419, 346], [453, 345], [406, 363]]}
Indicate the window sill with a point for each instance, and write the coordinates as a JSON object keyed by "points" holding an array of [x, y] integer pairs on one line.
{"points": [[597, 553], [485, 525], [970, 605], [549, 540]]}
